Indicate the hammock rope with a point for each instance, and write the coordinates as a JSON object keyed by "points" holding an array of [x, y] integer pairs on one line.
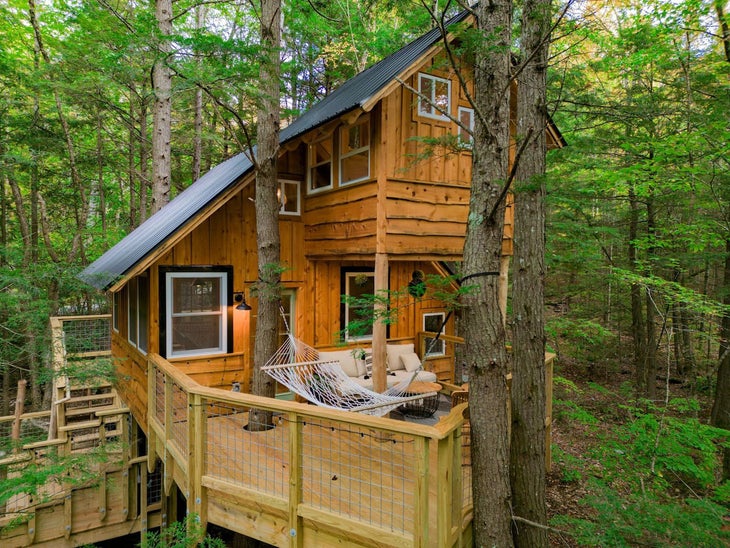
{"points": [[297, 366]]}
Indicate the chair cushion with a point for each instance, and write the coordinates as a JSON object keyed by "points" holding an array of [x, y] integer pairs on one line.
{"points": [[345, 358], [394, 352]]}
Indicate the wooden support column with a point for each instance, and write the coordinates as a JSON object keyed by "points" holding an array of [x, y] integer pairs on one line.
{"points": [[379, 328], [448, 489], [151, 412], [296, 530], [19, 405], [197, 448], [421, 518]]}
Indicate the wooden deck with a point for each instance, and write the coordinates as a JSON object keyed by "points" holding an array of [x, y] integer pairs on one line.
{"points": [[317, 477]]}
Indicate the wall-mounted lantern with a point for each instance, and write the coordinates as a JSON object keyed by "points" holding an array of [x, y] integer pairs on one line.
{"points": [[240, 298]]}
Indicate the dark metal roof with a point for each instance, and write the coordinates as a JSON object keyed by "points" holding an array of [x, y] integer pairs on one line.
{"points": [[150, 235]]}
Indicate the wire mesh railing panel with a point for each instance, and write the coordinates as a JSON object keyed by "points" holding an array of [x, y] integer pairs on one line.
{"points": [[179, 427], [364, 474], [87, 335], [253, 458], [160, 382]]}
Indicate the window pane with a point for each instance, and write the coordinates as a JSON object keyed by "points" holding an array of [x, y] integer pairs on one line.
{"points": [[432, 323], [356, 167], [132, 310], [196, 295], [441, 97], [321, 176], [196, 333], [142, 310], [466, 118], [425, 86], [359, 316], [290, 197]]}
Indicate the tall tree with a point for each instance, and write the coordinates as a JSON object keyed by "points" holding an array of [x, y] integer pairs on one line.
{"points": [[267, 203], [162, 120], [484, 332], [527, 451]]}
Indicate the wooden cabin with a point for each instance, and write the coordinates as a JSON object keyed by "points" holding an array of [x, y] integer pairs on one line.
{"points": [[361, 210]]}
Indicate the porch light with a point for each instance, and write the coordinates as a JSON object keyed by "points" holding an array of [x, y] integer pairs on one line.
{"points": [[240, 298]]}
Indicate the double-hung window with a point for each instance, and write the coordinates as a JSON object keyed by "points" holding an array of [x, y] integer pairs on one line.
{"points": [[432, 322], [355, 152], [435, 96], [196, 313], [288, 195], [320, 164], [138, 298], [466, 117], [358, 311]]}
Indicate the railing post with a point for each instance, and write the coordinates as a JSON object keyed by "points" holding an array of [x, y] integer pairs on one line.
{"points": [[420, 498], [449, 488], [295, 481], [151, 412], [196, 451]]}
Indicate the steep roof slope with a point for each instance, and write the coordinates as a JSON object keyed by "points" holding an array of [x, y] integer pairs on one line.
{"points": [[118, 261]]}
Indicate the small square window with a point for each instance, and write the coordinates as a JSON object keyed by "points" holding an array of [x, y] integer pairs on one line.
{"points": [[432, 322], [288, 195], [435, 100], [358, 318]]}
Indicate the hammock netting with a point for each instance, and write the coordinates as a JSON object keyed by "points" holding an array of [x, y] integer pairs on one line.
{"points": [[297, 366]]}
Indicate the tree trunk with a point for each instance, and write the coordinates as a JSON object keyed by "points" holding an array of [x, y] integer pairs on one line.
{"points": [[162, 121], [637, 307], [267, 208], [527, 451], [651, 342], [198, 122], [721, 407], [484, 333]]}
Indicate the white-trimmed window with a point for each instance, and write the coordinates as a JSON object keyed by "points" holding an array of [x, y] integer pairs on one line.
{"points": [[437, 93], [432, 322], [138, 300], [320, 164], [116, 308], [358, 316], [288, 306], [466, 117], [355, 152], [288, 195], [196, 318]]}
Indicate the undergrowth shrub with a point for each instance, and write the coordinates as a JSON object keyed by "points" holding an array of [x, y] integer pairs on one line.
{"points": [[658, 481]]}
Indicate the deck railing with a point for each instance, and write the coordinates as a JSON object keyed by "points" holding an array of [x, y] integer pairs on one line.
{"points": [[315, 469]]}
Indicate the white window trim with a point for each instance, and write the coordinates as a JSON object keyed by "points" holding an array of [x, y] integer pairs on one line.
{"points": [[441, 316], [133, 299], [223, 335], [351, 276], [116, 301], [282, 194], [437, 115], [470, 143], [354, 152], [311, 166]]}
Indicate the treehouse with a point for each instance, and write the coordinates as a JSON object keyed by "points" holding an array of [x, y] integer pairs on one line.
{"points": [[362, 209]]}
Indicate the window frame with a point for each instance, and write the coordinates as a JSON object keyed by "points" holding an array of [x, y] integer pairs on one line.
{"points": [[433, 112], [138, 320], [116, 309], [354, 152], [311, 165], [467, 143], [442, 352], [225, 326], [347, 274], [282, 197]]}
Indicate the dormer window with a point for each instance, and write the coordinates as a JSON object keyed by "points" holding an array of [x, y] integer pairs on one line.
{"points": [[435, 96], [355, 152], [320, 164]]}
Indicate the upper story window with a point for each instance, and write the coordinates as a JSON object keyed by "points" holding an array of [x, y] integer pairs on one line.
{"points": [[288, 195], [196, 313], [355, 152], [116, 309], [466, 117], [320, 164], [437, 91], [138, 299]]}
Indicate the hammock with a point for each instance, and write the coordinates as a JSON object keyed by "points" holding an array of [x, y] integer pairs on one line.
{"points": [[297, 366]]}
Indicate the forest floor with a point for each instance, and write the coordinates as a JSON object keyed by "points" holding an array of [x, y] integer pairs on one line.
{"points": [[603, 395]]}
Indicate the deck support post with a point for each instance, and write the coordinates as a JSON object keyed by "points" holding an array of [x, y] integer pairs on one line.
{"points": [[296, 530], [196, 458], [449, 489], [421, 515], [379, 327]]}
